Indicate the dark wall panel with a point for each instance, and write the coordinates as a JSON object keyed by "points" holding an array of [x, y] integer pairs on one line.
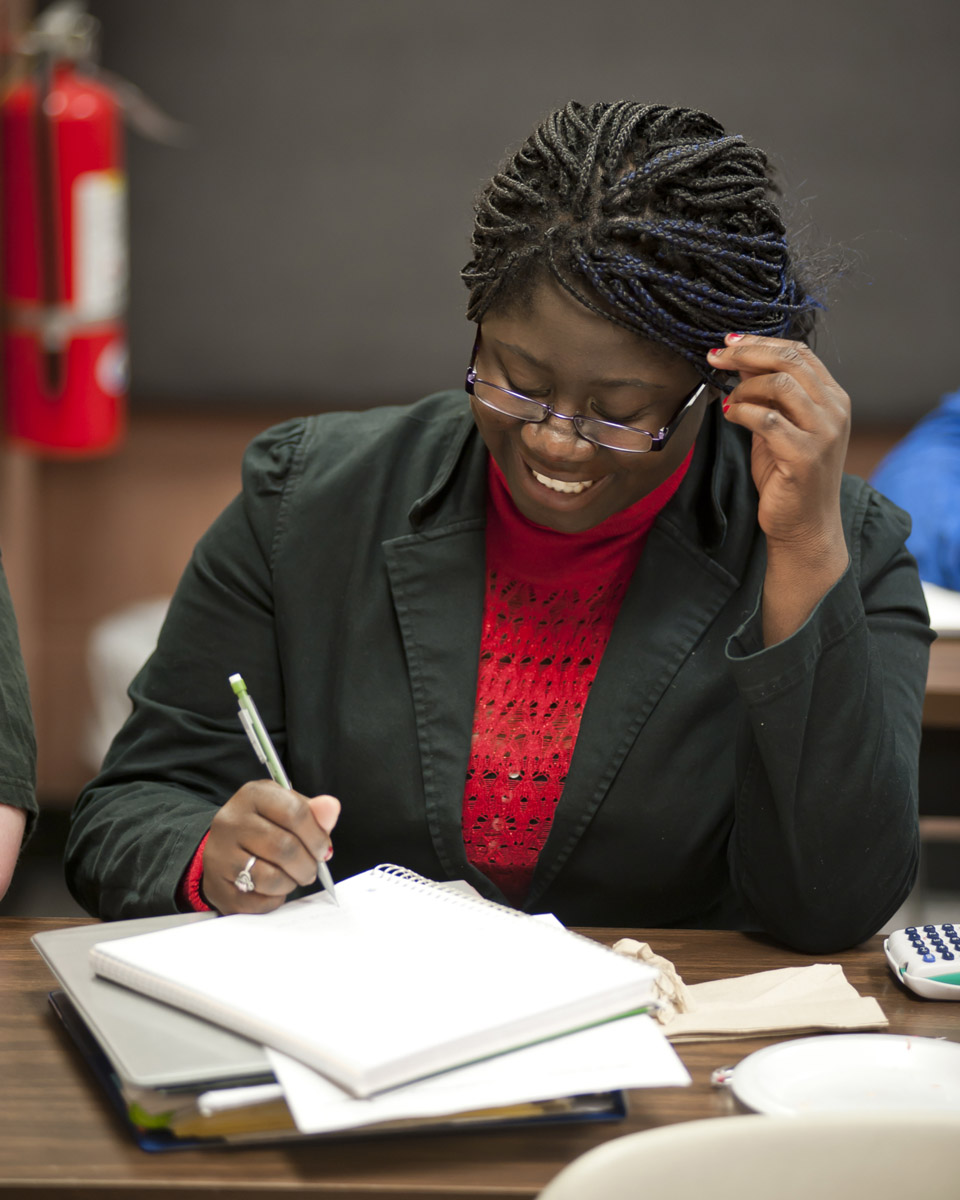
{"points": [[306, 247]]}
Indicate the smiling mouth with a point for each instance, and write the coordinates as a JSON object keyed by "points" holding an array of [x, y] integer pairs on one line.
{"points": [[569, 488]]}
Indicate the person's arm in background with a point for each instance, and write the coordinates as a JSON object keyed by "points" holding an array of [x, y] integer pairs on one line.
{"points": [[922, 475], [18, 749], [12, 824]]}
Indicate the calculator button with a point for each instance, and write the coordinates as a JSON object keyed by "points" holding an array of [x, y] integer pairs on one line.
{"points": [[948, 927], [929, 958], [947, 954], [929, 929], [910, 929]]}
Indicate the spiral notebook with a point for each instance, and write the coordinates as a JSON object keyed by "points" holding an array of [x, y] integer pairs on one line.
{"points": [[404, 979]]}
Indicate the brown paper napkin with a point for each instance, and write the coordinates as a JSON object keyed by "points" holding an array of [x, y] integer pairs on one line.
{"points": [[789, 1000]]}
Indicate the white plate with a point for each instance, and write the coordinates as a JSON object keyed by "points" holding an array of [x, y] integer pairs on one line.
{"points": [[850, 1071]]}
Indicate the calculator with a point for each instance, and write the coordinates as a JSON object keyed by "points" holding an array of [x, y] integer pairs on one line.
{"points": [[927, 959]]}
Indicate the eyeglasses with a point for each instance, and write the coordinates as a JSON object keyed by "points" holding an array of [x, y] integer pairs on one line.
{"points": [[608, 434]]}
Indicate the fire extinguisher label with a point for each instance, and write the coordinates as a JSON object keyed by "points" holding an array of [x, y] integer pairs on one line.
{"points": [[100, 245]]}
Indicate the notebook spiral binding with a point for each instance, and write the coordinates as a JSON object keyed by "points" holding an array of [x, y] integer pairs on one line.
{"points": [[406, 877]]}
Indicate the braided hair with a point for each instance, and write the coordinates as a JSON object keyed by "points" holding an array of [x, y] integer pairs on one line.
{"points": [[653, 217]]}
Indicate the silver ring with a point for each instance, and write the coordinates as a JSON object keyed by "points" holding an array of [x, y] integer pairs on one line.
{"points": [[244, 881]]}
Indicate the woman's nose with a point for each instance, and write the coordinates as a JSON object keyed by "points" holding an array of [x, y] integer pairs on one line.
{"points": [[557, 439]]}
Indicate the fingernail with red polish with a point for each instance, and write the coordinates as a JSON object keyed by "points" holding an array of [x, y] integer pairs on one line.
{"points": [[717, 350], [734, 337], [726, 404], [328, 854]]}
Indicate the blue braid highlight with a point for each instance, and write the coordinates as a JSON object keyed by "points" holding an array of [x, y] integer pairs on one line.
{"points": [[690, 150]]}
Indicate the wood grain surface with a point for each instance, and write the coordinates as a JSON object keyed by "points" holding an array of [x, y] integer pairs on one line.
{"points": [[58, 1136], [941, 706]]}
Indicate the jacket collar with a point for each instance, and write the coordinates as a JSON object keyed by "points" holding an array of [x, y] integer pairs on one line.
{"points": [[455, 494]]}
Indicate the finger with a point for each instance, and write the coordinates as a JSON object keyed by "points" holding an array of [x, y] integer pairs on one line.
{"points": [[783, 393], [748, 355], [268, 878], [292, 814], [285, 853], [272, 823], [786, 441], [225, 855], [221, 888], [326, 811], [223, 895]]}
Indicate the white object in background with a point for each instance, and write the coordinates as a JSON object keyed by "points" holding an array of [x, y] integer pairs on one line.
{"points": [[119, 645], [944, 608], [825, 1156], [850, 1072]]}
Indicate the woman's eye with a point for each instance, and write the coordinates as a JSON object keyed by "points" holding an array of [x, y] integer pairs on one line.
{"points": [[629, 418], [530, 393]]}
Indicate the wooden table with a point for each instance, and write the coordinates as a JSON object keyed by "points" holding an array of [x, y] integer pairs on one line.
{"points": [[59, 1137], [941, 706]]}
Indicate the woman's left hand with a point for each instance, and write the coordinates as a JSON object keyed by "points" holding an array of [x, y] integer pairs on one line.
{"points": [[800, 420]]}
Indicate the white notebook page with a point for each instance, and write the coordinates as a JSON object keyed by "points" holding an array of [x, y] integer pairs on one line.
{"points": [[402, 980]]}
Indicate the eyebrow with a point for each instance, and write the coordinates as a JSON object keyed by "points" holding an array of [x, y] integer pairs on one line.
{"points": [[609, 383]]}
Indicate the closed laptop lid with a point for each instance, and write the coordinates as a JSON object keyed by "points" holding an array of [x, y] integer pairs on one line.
{"points": [[149, 1043]]}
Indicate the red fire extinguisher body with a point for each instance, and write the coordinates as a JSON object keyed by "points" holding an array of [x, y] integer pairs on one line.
{"points": [[65, 267]]}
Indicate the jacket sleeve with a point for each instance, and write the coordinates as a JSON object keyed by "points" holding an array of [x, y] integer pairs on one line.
{"points": [[825, 844], [18, 749], [182, 753]]}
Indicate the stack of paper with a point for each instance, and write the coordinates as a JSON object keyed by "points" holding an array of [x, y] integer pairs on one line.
{"points": [[405, 1005]]}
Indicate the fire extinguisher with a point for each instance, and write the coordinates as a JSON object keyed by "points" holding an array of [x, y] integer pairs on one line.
{"points": [[64, 245]]}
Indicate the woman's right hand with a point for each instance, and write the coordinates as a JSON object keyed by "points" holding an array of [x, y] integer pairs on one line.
{"points": [[287, 833]]}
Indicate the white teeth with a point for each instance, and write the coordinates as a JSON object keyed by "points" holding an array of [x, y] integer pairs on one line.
{"points": [[560, 485]]}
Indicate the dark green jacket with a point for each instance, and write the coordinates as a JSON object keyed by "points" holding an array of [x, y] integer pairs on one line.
{"points": [[713, 783], [18, 748]]}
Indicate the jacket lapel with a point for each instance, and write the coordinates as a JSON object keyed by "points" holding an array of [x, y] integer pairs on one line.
{"points": [[436, 578], [678, 589]]}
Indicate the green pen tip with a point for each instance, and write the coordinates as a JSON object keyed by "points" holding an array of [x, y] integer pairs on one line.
{"points": [[236, 682]]}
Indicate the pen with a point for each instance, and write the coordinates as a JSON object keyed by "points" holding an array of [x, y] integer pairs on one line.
{"points": [[264, 749]]}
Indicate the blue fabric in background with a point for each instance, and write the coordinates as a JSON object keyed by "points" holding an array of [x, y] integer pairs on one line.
{"points": [[922, 475]]}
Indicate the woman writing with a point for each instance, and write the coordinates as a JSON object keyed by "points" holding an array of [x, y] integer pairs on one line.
{"points": [[609, 635]]}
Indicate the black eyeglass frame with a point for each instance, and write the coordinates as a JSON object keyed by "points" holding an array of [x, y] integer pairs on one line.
{"points": [[657, 440]]}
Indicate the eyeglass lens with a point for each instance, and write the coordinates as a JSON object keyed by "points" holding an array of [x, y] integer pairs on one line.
{"points": [[613, 437]]}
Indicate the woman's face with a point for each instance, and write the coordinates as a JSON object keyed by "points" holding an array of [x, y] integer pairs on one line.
{"points": [[557, 351]]}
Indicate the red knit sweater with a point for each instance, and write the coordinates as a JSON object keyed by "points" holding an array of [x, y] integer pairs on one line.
{"points": [[550, 603]]}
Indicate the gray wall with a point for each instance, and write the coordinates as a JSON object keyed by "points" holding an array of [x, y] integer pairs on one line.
{"points": [[305, 249]]}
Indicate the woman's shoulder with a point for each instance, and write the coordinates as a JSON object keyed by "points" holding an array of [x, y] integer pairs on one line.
{"points": [[876, 528], [869, 510], [311, 447]]}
